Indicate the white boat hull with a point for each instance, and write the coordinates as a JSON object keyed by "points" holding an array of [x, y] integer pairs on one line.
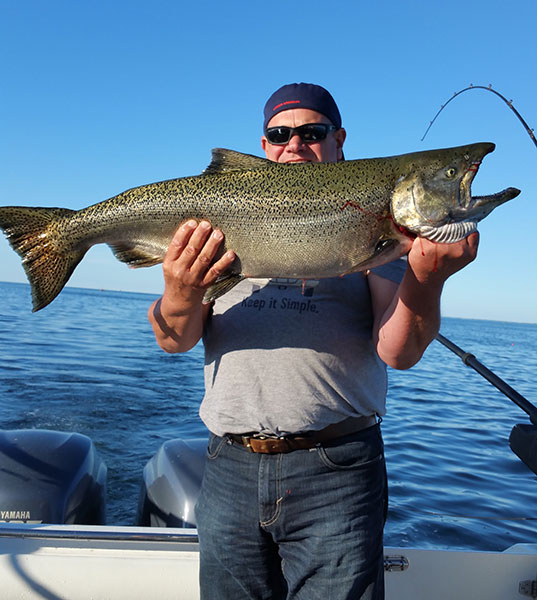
{"points": [[127, 563]]}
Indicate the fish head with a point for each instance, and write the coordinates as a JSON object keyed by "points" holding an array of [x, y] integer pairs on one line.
{"points": [[432, 198]]}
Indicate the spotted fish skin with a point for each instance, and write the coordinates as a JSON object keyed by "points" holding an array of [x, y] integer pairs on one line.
{"points": [[296, 220]]}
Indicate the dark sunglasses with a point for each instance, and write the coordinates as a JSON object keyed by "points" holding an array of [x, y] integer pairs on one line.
{"points": [[309, 133]]}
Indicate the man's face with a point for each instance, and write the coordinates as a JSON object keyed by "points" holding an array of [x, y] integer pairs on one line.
{"points": [[327, 150]]}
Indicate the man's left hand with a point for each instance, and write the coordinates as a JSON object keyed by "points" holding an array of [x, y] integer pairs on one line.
{"points": [[434, 263]]}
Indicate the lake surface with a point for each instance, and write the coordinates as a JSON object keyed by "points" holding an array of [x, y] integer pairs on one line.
{"points": [[89, 363]]}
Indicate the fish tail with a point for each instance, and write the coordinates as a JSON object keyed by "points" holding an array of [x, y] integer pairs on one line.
{"points": [[35, 234]]}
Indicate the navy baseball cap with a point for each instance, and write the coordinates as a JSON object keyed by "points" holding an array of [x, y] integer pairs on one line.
{"points": [[302, 95]]}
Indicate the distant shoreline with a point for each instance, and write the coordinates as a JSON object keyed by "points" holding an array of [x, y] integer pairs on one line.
{"points": [[157, 294]]}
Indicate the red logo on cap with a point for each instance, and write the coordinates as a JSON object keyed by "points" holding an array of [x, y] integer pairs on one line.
{"points": [[284, 103]]}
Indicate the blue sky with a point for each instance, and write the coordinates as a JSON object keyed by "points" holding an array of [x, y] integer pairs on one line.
{"points": [[101, 96]]}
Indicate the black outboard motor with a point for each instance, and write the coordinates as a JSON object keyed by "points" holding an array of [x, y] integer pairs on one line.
{"points": [[171, 484], [51, 477]]}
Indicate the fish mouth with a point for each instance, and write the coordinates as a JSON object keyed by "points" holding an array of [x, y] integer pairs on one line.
{"points": [[478, 207], [465, 192], [464, 220]]}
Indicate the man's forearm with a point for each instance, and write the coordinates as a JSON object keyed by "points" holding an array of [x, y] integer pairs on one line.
{"points": [[410, 323], [176, 332], [406, 325]]}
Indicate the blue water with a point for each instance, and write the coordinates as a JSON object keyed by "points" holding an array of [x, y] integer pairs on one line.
{"points": [[89, 363]]}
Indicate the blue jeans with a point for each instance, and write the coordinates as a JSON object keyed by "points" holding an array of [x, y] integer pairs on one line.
{"points": [[303, 525]]}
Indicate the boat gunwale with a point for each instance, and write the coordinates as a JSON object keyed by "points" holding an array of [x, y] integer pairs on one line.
{"points": [[98, 533]]}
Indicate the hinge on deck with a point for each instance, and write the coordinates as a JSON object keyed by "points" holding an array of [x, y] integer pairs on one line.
{"points": [[395, 563], [528, 588]]}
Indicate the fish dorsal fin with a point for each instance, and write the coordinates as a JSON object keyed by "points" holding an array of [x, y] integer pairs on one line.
{"points": [[225, 161]]}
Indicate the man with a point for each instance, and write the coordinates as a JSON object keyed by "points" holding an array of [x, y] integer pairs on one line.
{"points": [[294, 493]]}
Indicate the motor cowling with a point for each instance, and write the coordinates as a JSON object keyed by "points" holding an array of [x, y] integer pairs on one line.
{"points": [[51, 477], [171, 484]]}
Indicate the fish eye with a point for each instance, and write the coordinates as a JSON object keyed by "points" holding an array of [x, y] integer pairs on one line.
{"points": [[451, 172]]}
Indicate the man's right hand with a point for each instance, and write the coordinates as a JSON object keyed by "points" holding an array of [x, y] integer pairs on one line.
{"points": [[177, 318], [187, 267]]}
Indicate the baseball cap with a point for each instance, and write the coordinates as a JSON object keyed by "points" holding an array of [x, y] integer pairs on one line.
{"points": [[302, 95]]}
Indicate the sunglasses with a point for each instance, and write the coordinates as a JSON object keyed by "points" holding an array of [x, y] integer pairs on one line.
{"points": [[309, 133]]}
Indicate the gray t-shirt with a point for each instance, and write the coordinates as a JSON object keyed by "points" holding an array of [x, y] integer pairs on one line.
{"points": [[284, 356]]}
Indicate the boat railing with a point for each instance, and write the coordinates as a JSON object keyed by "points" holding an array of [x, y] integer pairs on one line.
{"points": [[99, 532]]}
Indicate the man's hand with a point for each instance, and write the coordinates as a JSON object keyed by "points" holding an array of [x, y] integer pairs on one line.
{"points": [[177, 318], [433, 263], [187, 265]]}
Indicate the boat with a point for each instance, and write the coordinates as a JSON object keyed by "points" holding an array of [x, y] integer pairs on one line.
{"points": [[55, 545], [57, 476], [72, 562]]}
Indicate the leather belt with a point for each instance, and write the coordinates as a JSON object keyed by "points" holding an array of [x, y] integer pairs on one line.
{"points": [[266, 444]]}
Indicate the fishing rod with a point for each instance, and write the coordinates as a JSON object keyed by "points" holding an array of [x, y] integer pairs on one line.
{"points": [[471, 361], [509, 103], [523, 438]]}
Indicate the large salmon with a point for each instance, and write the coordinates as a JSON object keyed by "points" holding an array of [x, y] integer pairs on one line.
{"points": [[299, 220]]}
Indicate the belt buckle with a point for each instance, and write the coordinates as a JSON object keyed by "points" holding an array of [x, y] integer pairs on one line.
{"points": [[257, 436], [246, 442]]}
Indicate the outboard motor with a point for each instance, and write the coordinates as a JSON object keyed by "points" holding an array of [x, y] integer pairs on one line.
{"points": [[171, 484], [51, 477]]}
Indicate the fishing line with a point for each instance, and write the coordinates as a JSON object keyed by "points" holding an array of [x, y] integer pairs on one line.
{"points": [[489, 89]]}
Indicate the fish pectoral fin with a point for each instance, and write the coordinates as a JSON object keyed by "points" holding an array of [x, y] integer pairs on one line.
{"points": [[385, 251], [224, 161], [221, 286], [137, 255]]}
